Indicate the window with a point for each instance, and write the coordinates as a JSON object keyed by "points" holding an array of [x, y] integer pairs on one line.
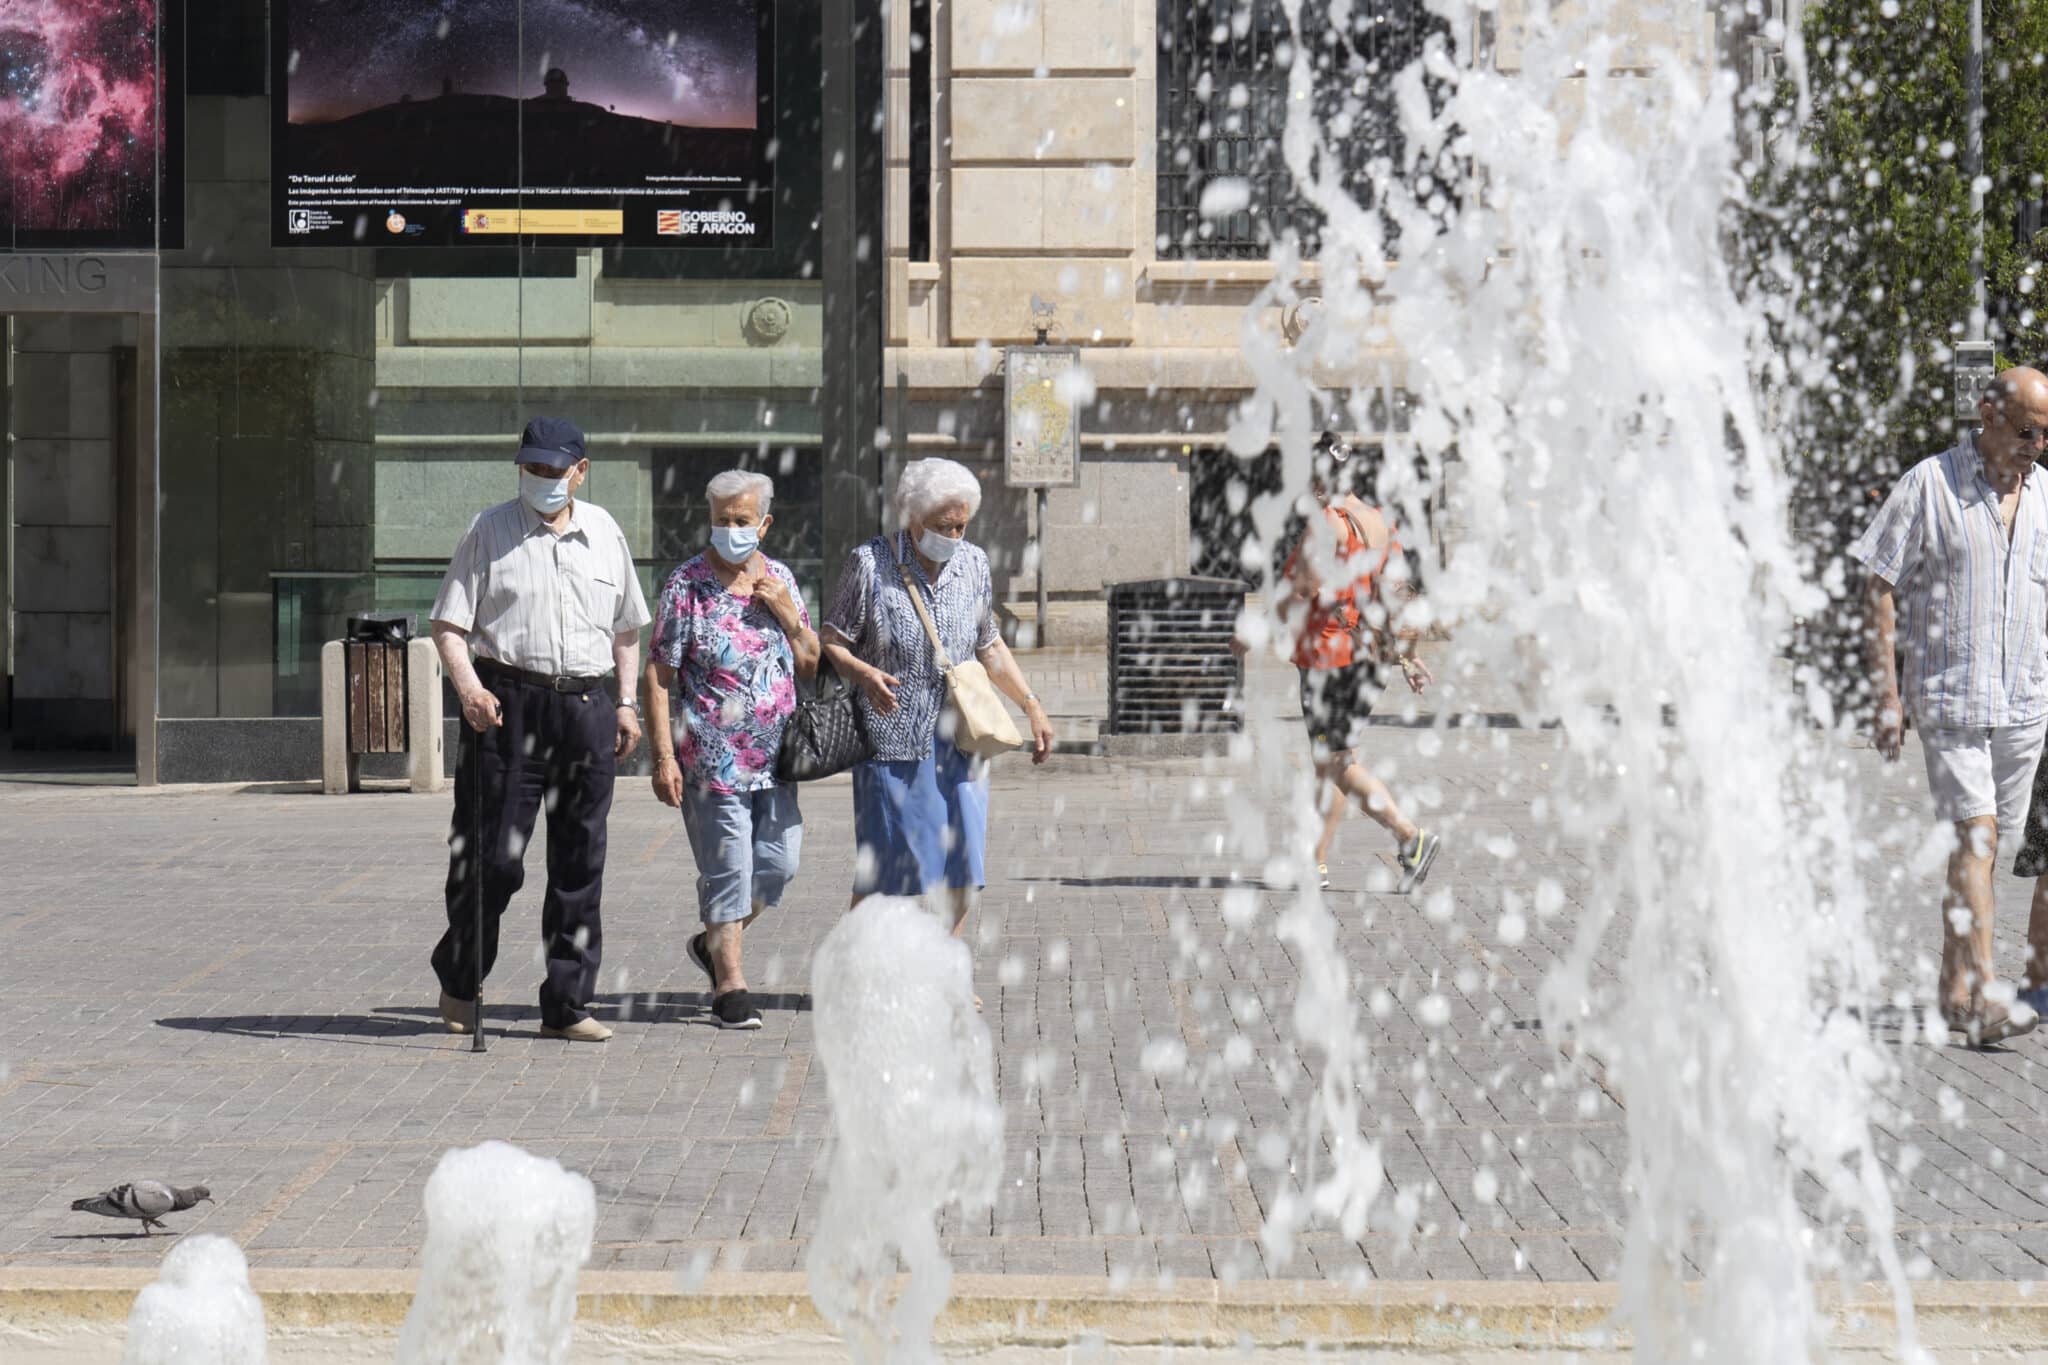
{"points": [[1223, 68], [225, 47]]}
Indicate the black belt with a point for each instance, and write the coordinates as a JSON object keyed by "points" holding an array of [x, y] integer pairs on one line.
{"points": [[554, 682]]}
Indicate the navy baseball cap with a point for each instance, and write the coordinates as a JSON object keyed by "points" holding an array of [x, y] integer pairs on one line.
{"points": [[550, 441]]}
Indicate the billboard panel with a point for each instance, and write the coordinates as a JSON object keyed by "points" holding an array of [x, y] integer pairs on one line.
{"points": [[91, 124], [630, 122]]}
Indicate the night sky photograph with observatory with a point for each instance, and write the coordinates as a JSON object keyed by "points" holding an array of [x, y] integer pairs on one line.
{"points": [[80, 132], [405, 93]]}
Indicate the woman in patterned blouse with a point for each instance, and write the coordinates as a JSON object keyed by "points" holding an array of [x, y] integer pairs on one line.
{"points": [[920, 806], [730, 638]]}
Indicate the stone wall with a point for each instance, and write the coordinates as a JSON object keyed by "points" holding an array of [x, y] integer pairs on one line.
{"points": [[64, 419]]}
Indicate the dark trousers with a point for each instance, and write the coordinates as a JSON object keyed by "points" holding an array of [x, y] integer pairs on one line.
{"points": [[557, 748]]}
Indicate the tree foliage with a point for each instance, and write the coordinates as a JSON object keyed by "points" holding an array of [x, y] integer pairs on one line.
{"points": [[1860, 223]]}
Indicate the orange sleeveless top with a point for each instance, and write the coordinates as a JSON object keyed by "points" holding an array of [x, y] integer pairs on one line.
{"points": [[1329, 636]]}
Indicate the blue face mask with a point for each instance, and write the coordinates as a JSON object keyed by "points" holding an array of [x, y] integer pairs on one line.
{"points": [[735, 544], [545, 496]]}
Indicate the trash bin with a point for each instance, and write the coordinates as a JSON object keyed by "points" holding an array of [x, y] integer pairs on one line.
{"points": [[380, 693], [374, 654], [1171, 671]]}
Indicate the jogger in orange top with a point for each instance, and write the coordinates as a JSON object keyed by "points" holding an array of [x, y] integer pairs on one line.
{"points": [[1346, 639]]}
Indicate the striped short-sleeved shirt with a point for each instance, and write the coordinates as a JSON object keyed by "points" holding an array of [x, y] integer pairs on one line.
{"points": [[1973, 604], [876, 618], [540, 601]]}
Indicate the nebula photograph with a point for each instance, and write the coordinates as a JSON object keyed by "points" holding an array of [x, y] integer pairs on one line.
{"points": [[82, 131], [473, 98]]}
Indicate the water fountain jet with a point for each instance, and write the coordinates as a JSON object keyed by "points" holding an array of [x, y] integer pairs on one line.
{"points": [[1559, 287], [916, 1128]]}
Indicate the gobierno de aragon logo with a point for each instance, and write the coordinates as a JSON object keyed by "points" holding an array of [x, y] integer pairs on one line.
{"points": [[704, 223]]}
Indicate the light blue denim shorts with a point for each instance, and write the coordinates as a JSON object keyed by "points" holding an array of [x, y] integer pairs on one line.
{"points": [[746, 844]]}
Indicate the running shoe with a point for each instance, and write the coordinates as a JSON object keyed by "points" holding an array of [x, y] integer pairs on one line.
{"points": [[1415, 858], [735, 1010]]}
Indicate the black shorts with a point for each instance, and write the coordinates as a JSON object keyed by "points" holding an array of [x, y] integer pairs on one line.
{"points": [[2032, 859], [1336, 702]]}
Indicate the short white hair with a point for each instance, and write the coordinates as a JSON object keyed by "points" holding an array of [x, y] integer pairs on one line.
{"points": [[927, 485], [737, 483]]}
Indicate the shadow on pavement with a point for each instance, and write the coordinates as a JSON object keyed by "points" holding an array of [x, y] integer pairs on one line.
{"points": [[340, 1028], [662, 1007], [639, 1007], [370, 786], [1164, 880]]}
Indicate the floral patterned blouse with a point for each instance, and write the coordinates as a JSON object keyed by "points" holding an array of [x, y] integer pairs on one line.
{"points": [[735, 684]]}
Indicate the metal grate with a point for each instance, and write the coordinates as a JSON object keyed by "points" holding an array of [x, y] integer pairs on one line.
{"points": [[1223, 108], [1170, 666]]}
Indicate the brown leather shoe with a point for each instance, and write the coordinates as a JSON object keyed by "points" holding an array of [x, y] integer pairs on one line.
{"points": [[456, 1014], [582, 1031], [1990, 1023]]}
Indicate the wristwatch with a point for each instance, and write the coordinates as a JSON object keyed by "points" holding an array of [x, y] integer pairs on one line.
{"points": [[629, 705]]}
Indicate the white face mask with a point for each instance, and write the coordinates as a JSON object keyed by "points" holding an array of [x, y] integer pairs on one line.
{"points": [[545, 496], [935, 547]]}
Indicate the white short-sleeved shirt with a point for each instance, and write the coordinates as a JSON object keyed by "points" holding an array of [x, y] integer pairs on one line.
{"points": [[540, 601], [1973, 605]]}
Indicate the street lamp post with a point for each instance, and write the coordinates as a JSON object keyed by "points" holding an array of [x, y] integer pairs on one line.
{"points": [[1973, 166], [1974, 363]]}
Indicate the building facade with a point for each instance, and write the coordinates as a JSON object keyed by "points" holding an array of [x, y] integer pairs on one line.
{"points": [[1053, 155], [222, 444]]}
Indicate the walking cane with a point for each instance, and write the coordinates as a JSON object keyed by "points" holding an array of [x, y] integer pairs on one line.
{"points": [[476, 885]]}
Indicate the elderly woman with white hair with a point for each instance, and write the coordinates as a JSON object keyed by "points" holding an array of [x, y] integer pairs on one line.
{"points": [[920, 806], [731, 637]]}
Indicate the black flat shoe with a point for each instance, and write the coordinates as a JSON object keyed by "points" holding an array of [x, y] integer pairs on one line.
{"points": [[700, 953]]}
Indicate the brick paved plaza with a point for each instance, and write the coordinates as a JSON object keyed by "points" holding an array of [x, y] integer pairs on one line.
{"points": [[231, 987]]}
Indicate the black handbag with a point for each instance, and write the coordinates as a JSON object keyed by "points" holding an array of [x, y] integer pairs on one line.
{"points": [[826, 734]]}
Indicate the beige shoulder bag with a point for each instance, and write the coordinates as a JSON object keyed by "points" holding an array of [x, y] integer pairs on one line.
{"points": [[975, 720]]}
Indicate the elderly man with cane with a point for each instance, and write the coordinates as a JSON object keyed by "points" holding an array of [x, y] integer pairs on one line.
{"points": [[543, 589]]}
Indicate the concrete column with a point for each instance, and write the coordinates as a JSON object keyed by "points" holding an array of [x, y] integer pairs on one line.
{"points": [[269, 362], [337, 764], [423, 749]]}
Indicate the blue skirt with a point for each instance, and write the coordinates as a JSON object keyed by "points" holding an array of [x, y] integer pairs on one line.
{"points": [[920, 825]]}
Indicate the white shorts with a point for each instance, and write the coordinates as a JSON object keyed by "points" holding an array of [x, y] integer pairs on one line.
{"points": [[1976, 771]]}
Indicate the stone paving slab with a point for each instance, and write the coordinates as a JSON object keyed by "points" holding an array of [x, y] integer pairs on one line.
{"points": [[231, 986]]}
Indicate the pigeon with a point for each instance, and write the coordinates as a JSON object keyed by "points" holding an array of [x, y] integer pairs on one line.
{"points": [[148, 1200]]}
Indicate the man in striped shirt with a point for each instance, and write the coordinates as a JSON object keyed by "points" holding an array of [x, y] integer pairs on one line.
{"points": [[1958, 576], [543, 591]]}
